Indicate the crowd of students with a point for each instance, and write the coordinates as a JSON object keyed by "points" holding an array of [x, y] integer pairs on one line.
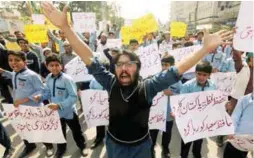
{"points": [[36, 76]]}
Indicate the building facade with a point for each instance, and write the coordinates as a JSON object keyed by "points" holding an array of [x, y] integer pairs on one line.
{"points": [[205, 14]]}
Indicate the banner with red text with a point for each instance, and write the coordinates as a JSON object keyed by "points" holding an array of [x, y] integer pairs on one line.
{"points": [[224, 81], [96, 107], [35, 124], [243, 38], [243, 142], [201, 114], [158, 112], [150, 60]]}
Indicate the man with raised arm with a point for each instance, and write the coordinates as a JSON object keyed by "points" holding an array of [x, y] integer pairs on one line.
{"points": [[130, 99]]}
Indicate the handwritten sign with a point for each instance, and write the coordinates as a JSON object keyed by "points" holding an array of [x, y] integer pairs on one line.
{"points": [[96, 107], [158, 112], [34, 123], [243, 142], [84, 22], [243, 39], [129, 32], [3, 26], [114, 43], [36, 33], [146, 23], [38, 19], [202, 114], [150, 60], [178, 29], [181, 53], [224, 81], [77, 70]]}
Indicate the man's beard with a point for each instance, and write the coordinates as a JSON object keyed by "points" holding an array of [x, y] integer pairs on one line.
{"points": [[103, 42], [134, 80]]}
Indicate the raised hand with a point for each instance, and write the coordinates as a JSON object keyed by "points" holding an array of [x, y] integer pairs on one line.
{"points": [[212, 41], [57, 18]]}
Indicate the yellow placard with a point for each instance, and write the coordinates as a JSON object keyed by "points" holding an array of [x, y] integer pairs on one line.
{"points": [[178, 29], [128, 33], [36, 33], [146, 23], [139, 29], [12, 46]]}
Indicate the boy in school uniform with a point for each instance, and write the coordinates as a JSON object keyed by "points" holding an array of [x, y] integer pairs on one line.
{"points": [[61, 90], [166, 62], [26, 84], [198, 84]]}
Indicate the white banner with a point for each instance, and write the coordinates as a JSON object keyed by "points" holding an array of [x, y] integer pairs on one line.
{"points": [[96, 107], [77, 70], [224, 81], [243, 38], [38, 19], [35, 124], [84, 22], [181, 53], [242, 142], [150, 59], [202, 114], [114, 43], [158, 112]]}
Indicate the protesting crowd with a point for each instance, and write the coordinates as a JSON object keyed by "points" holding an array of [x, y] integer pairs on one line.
{"points": [[200, 82]]}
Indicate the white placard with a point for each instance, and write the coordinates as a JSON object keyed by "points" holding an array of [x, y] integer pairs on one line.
{"points": [[150, 60], [38, 19], [77, 70], [84, 22], [114, 43], [35, 124], [96, 107], [243, 38], [224, 81], [181, 53], [201, 114], [3, 25], [242, 142], [158, 112]]}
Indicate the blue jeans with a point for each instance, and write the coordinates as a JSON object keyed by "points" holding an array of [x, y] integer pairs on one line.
{"points": [[115, 150], [4, 137]]}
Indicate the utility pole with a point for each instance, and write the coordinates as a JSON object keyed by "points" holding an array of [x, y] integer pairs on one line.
{"points": [[196, 15]]}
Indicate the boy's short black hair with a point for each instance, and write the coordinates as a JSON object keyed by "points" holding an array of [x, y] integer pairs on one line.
{"points": [[19, 54], [204, 66], [53, 58], [201, 32], [22, 39], [111, 32], [168, 59], [15, 32], [133, 41]]}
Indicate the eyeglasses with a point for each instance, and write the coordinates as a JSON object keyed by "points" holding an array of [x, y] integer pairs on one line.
{"points": [[126, 64]]}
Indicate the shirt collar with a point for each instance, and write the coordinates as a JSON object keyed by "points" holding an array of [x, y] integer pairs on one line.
{"points": [[22, 70], [52, 76], [207, 84]]}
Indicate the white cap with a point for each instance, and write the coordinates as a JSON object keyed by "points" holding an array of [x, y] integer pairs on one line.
{"points": [[45, 49]]}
